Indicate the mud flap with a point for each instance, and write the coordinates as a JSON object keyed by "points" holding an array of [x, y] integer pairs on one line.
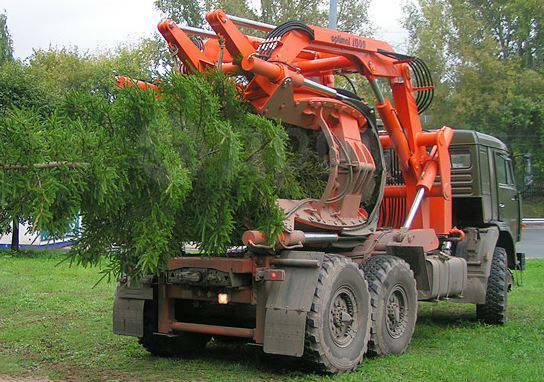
{"points": [[128, 310], [477, 249], [288, 303]]}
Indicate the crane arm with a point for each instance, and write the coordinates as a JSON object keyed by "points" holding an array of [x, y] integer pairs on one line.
{"points": [[290, 76]]}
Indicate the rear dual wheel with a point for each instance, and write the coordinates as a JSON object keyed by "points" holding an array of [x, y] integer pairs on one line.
{"points": [[393, 294], [354, 310], [338, 324]]}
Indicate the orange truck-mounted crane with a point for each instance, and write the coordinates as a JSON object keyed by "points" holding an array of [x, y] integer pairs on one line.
{"points": [[343, 276]]}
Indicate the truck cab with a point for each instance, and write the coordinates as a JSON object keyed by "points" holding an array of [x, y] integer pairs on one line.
{"points": [[483, 188]]}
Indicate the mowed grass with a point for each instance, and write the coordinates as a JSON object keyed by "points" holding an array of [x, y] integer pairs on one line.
{"points": [[53, 323]]}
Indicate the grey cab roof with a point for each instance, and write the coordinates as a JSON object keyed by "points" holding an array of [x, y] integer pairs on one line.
{"points": [[467, 137]]}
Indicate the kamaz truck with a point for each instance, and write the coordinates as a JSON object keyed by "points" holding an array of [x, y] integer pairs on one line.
{"points": [[407, 214]]}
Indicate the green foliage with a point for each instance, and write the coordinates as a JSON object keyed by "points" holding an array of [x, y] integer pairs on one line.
{"points": [[6, 45], [146, 173], [487, 62], [62, 71], [19, 88], [352, 15], [308, 162], [33, 134], [191, 165], [48, 198], [183, 11]]}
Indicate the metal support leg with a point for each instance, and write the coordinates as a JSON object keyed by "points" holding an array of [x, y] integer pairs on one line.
{"points": [[166, 310]]}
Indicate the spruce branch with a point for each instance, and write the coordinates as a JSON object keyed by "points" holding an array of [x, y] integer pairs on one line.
{"points": [[45, 165]]}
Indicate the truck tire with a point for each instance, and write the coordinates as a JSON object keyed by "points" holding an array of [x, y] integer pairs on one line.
{"points": [[493, 312], [183, 344], [338, 324], [394, 304]]}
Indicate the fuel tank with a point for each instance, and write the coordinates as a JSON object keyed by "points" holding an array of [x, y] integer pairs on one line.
{"points": [[447, 277]]}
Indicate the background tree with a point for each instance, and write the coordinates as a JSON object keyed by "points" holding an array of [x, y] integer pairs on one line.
{"points": [[352, 15], [31, 93], [6, 45], [6, 55], [487, 61]]}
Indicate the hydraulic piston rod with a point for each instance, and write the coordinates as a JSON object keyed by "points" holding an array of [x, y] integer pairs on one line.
{"points": [[198, 31], [413, 210], [323, 89], [296, 237], [243, 22], [204, 33]]}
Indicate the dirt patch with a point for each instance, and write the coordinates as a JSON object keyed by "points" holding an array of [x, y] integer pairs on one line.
{"points": [[7, 378]]}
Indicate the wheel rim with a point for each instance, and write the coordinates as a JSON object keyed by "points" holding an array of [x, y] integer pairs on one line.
{"points": [[396, 312], [343, 317]]}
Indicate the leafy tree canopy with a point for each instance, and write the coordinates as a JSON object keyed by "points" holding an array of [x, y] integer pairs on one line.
{"points": [[487, 62], [6, 44], [352, 15], [146, 173]]}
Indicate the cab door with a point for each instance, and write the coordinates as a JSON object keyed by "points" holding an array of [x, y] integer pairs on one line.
{"points": [[507, 194]]}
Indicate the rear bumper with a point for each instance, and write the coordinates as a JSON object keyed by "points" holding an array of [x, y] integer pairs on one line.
{"points": [[267, 310]]}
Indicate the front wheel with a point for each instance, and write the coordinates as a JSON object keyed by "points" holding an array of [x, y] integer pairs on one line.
{"points": [[394, 303], [338, 324], [496, 299]]}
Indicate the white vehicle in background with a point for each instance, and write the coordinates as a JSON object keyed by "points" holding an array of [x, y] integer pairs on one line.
{"points": [[41, 240]]}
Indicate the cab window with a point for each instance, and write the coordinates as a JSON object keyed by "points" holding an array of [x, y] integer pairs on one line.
{"points": [[460, 159], [503, 169]]}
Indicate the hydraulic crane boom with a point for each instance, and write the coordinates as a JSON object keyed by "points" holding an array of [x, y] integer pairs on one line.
{"points": [[290, 76]]}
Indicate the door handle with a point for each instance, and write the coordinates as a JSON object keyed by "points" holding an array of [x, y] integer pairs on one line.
{"points": [[502, 205]]}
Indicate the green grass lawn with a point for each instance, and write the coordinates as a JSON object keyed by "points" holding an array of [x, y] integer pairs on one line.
{"points": [[53, 323]]}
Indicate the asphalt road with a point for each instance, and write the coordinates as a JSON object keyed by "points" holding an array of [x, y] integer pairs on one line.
{"points": [[532, 242]]}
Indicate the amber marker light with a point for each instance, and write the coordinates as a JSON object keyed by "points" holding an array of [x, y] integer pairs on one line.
{"points": [[223, 298]]}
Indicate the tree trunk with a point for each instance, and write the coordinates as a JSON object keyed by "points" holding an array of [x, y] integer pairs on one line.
{"points": [[15, 235]]}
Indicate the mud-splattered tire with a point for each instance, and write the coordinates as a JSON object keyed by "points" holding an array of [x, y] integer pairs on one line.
{"points": [[338, 324], [494, 311], [182, 345], [394, 304]]}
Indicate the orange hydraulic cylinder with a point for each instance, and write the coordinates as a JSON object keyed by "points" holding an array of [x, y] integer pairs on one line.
{"points": [[428, 175], [392, 125], [400, 191], [395, 191], [254, 64], [385, 141], [426, 138], [328, 63], [230, 68]]}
